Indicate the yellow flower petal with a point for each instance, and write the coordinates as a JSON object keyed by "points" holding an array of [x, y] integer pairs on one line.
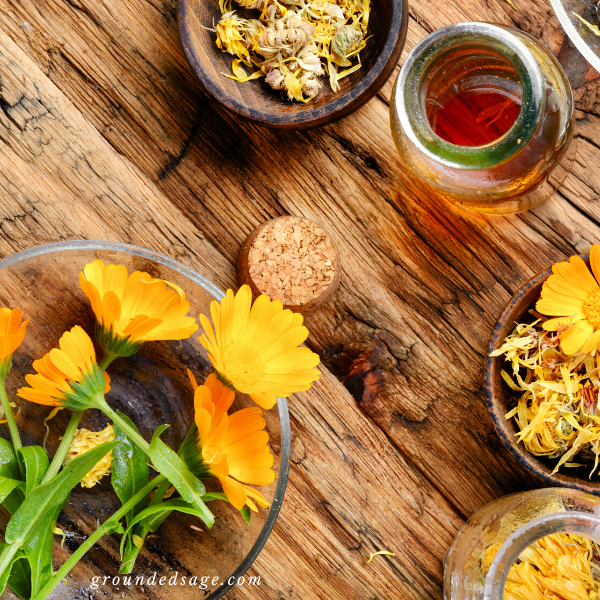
{"points": [[573, 339], [233, 448], [249, 342], [137, 307], [56, 371], [12, 331]]}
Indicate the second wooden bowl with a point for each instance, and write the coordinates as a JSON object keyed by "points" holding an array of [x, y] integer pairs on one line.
{"points": [[501, 399], [256, 101]]}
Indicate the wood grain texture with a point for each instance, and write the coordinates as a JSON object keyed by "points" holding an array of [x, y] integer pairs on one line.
{"points": [[105, 133], [258, 102]]}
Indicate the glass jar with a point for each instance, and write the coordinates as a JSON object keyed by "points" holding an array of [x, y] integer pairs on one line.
{"points": [[513, 522], [453, 69]]}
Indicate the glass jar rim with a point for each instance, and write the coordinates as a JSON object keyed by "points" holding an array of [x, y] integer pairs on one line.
{"points": [[574, 522], [415, 123]]}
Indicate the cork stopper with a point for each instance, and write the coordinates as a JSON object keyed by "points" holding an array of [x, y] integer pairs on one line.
{"points": [[293, 260]]}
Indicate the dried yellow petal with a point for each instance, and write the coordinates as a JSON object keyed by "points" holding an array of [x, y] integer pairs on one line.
{"points": [[58, 531], [591, 27], [372, 555], [85, 440]]}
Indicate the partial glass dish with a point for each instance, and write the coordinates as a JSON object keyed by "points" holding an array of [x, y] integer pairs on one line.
{"points": [[152, 388], [585, 40]]}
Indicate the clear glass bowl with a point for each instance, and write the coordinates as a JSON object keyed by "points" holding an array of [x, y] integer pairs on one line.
{"points": [[152, 388], [585, 40]]}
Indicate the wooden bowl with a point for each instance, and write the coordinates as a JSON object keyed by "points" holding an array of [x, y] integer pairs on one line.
{"points": [[256, 101], [501, 399], [244, 277]]}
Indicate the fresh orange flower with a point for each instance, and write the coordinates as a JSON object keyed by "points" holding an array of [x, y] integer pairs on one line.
{"points": [[67, 376], [256, 347], [134, 309], [234, 448], [572, 295], [12, 331]]}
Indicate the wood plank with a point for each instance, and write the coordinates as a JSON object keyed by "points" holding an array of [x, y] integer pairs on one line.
{"points": [[423, 281], [442, 273], [328, 524]]}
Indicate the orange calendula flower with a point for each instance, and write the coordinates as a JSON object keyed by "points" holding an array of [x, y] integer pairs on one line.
{"points": [[67, 376], [134, 309], [234, 448], [12, 332], [255, 348], [572, 295]]}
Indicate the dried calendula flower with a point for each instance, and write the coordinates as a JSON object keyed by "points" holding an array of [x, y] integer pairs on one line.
{"points": [[238, 36], [230, 36], [557, 411], [555, 567], [295, 44], [346, 41], [84, 441]]}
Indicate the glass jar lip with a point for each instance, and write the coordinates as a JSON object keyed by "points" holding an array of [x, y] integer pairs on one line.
{"points": [[575, 522], [416, 125]]}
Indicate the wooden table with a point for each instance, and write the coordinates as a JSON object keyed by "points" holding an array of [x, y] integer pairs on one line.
{"points": [[105, 134]]}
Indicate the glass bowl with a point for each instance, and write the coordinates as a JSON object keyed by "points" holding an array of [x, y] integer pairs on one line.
{"points": [[585, 40], [152, 388]]}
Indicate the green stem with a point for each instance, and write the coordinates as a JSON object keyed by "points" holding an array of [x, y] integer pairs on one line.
{"points": [[107, 359], [12, 425], [85, 546], [130, 557], [131, 433], [63, 448]]}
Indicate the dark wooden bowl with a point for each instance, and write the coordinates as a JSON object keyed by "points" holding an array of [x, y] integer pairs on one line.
{"points": [[501, 399], [256, 101]]}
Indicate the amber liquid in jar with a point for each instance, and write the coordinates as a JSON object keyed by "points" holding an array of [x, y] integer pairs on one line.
{"points": [[475, 102]]}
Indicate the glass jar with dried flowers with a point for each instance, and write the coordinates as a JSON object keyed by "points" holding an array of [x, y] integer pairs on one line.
{"points": [[531, 546]]}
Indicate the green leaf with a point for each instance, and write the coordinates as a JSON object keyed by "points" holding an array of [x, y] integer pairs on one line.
{"points": [[19, 580], [130, 470], [8, 485], [36, 464], [210, 496], [245, 512], [48, 496], [9, 467], [175, 470], [154, 515], [14, 499], [8, 571], [39, 550]]}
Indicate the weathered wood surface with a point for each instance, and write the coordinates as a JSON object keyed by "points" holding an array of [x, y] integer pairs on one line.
{"points": [[104, 133]]}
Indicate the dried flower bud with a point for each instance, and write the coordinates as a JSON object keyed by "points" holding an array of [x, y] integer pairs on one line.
{"points": [[311, 87], [275, 79], [346, 41]]}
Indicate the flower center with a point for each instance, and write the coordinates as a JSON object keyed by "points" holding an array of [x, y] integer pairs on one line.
{"points": [[591, 309], [242, 365]]}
